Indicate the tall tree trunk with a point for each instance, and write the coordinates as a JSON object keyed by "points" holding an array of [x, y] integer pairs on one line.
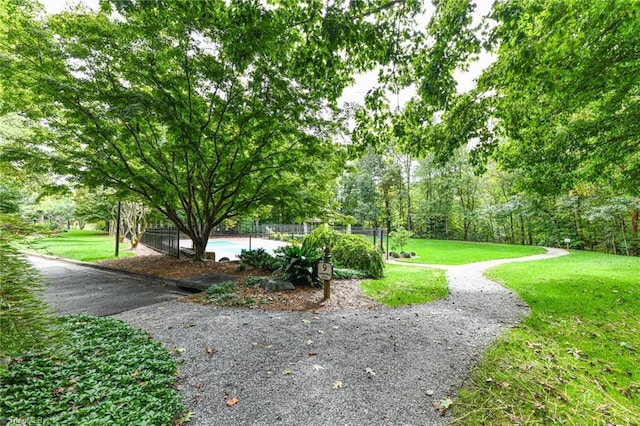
{"points": [[200, 247], [512, 231], [634, 233], [623, 229]]}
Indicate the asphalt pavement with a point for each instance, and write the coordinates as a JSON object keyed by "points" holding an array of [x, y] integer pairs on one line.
{"points": [[72, 288]]}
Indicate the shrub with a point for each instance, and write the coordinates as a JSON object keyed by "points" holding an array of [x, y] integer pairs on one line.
{"points": [[321, 237], [223, 293], [252, 281], [348, 274], [394, 254], [299, 265], [26, 326], [400, 237], [348, 251], [356, 252], [259, 258]]}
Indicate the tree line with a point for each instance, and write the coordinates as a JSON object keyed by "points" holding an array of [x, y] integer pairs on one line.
{"points": [[456, 201]]}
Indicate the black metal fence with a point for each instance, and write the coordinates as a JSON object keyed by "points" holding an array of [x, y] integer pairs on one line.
{"points": [[165, 240]]}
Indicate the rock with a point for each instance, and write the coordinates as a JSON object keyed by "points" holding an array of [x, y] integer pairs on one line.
{"points": [[273, 285]]}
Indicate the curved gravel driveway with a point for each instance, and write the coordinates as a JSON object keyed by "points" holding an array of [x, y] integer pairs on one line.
{"points": [[351, 367]]}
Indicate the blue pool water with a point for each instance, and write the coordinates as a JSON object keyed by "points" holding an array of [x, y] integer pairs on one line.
{"points": [[231, 248]]}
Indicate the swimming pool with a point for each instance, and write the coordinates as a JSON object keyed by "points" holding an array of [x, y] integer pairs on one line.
{"points": [[231, 247]]}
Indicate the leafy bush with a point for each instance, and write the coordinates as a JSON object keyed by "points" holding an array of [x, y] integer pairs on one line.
{"points": [[400, 238], [347, 250], [259, 258], [299, 265], [252, 281], [24, 320], [321, 237], [348, 274], [356, 252], [223, 293], [105, 373]]}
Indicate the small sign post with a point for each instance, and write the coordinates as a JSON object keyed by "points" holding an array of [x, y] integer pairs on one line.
{"points": [[567, 241], [325, 273]]}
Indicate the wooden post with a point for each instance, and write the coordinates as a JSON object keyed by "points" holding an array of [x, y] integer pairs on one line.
{"points": [[327, 282]]}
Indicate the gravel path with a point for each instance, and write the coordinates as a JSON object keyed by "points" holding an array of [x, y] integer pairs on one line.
{"points": [[381, 366]]}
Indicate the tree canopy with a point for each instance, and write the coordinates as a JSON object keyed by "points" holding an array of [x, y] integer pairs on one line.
{"points": [[205, 109], [564, 91]]}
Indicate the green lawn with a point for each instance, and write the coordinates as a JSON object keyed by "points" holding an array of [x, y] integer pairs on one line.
{"points": [[441, 252], [576, 360], [404, 285], [88, 246]]}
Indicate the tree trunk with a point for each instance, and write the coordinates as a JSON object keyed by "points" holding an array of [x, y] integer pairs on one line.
{"points": [[634, 233], [200, 247], [623, 229]]}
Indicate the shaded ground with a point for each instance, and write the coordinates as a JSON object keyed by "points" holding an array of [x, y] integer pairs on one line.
{"points": [[72, 288]]}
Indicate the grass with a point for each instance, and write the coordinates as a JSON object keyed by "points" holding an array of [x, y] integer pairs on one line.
{"points": [[439, 252], [87, 246], [575, 360], [105, 373], [405, 285]]}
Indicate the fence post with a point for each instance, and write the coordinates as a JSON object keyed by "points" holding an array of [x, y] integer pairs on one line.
{"points": [[178, 243]]}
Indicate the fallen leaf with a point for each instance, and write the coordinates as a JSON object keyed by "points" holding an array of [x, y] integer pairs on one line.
{"points": [[135, 373], [305, 321], [211, 351], [515, 419], [313, 353], [189, 325], [320, 332], [430, 392], [628, 346], [337, 384], [233, 401], [317, 367], [287, 372], [309, 342], [370, 372], [443, 405]]}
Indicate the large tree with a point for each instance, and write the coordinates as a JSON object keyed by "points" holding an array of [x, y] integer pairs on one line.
{"points": [[565, 90], [206, 108]]}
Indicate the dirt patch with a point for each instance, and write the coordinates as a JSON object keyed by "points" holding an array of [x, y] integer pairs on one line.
{"points": [[345, 294]]}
